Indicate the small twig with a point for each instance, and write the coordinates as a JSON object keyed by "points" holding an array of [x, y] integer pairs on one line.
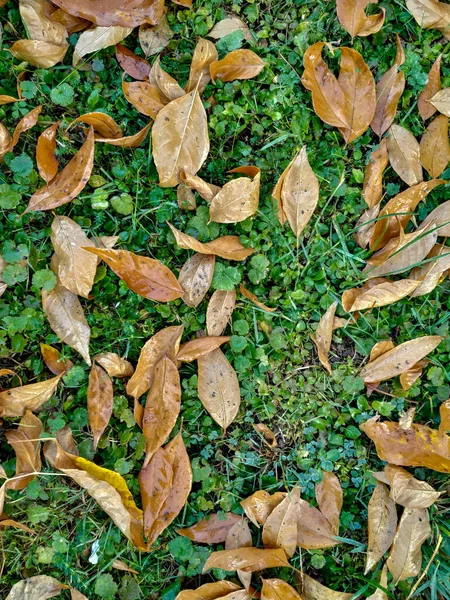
{"points": [[433, 556]]}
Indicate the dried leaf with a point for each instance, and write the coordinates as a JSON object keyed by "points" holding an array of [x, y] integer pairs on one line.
{"points": [[39, 587], [164, 343], [278, 589], [441, 101], [310, 589], [380, 594], [352, 17], [439, 218], [237, 200], [46, 161], [38, 53], [115, 12], [205, 53], [260, 504], [199, 347], [103, 124], [195, 278], [323, 335], [280, 528], [430, 14], [430, 274], [38, 24], [76, 595], [209, 591], [382, 523], [167, 86], [228, 246], [25, 443], [408, 491], [114, 365], [238, 64], [69, 182], [218, 387], [144, 96], [155, 482], [268, 435], [212, 530], [53, 360], [14, 402], [100, 399], [405, 558], [66, 317], [145, 276], [162, 407], [154, 39], [404, 154], [206, 190], [71, 23], [433, 86], [389, 89], [435, 147], [382, 294], [229, 25], [246, 559], [16, 525], [180, 138], [373, 175], [133, 65], [219, 311], [314, 530], [122, 566], [329, 499], [128, 141], [8, 143], [239, 536], [98, 38], [185, 197]]}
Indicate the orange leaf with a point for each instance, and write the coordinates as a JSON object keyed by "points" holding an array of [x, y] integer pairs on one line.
{"points": [[47, 163], [100, 399], [212, 530], [238, 64]]}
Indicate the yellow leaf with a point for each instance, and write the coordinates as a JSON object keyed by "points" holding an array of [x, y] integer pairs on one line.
{"points": [[14, 402], [435, 147], [43, 55]]}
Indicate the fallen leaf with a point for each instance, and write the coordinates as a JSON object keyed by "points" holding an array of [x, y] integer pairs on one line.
{"points": [[115, 12], [195, 278], [239, 536], [441, 101], [246, 559], [382, 523], [25, 443], [228, 246], [352, 17], [435, 147], [53, 360], [323, 335], [145, 276], [185, 197], [405, 557], [199, 347], [250, 296], [38, 24], [236, 201], [100, 399], [280, 528], [16, 525], [103, 124], [69, 182], [219, 311], [426, 109], [167, 86], [238, 64], [430, 14], [153, 39], [373, 175], [133, 65], [206, 190], [278, 589], [229, 25], [162, 407], [144, 96], [209, 591], [114, 365], [128, 141], [218, 387], [27, 122], [155, 482], [329, 499], [260, 504], [406, 490], [379, 593], [39, 587], [310, 589], [122, 566], [71, 23], [164, 343], [15, 401], [268, 435], [212, 530], [439, 218], [38, 53], [382, 294], [46, 161], [180, 138], [431, 272], [404, 154], [314, 530], [205, 53], [98, 38], [389, 89]]}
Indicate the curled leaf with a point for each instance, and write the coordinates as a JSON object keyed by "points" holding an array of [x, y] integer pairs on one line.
{"points": [[323, 335], [168, 87], [195, 348], [238, 64], [228, 246], [260, 504], [426, 109], [128, 141], [406, 490], [205, 53], [329, 499], [54, 361], [195, 278], [206, 190], [382, 524], [352, 17], [103, 124], [46, 161], [25, 443], [15, 401], [250, 296], [114, 365]]}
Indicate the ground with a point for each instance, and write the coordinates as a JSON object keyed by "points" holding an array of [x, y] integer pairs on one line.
{"points": [[263, 122]]}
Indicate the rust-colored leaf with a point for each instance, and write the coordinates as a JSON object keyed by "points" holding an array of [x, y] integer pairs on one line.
{"points": [[100, 399], [199, 347], [155, 482], [15, 401], [115, 12], [128, 141], [26, 445], [46, 161], [237, 200], [329, 499], [260, 504], [153, 39], [212, 530], [205, 53], [323, 335], [352, 17], [435, 147], [103, 124], [373, 175], [53, 360], [195, 278], [433, 86], [382, 523], [238, 64], [278, 589], [280, 528], [144, 96], [133, 65], [219, 311], [228, 246], [114, 365], [404, 154], [246, 559]]}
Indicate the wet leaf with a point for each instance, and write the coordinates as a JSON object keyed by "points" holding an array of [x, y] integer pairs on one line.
{"points": [[260, 504], [115, 12], [389, 89], [426, 109], [209, 591], [25, 443], [246, 559], [167, 86], [199, 347], [15, 401], [133, 65], [280, 528], [162, 406], [238, 64], [180, 138], [323, 335], [195, 278], [38, 53], [310, 589], [278, 589], [100, 399], [154, 39], [430, 14], [205, 53], [408, 491], [53, 360], [145, 276], [46, 161], [373, 175], [382, 523], [114, 365], [435, 147], [69, 182], [237, 200], [352, 17], [329, 499], [239, 536], [103, 124], [228, 246], [155, 482], [212, 530], [219, 311], [39, 587], [229, 25], [382, 294], [144, 96], [164, 343], [405, 558], [218, 387], [128, 141], [404, 154], [98, 38]]}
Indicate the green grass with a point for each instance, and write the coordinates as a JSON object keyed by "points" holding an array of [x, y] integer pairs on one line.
{"points": [[315, 416]]}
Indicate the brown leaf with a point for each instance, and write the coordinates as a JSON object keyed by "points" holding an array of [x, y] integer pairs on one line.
{"points": [[69, 182], [228, 246], [260, 504], [133, 65], [439, 218], [444, 413], [418, 446], [122, 566], [314, 530], [115, 12], [164, 343], [25, 443], [209, 591], [168, 87], [229, 25], [441, 101], [128, 141], [405, 557], [155, 482], [310, 589], [100, 399], [53, 360], [199, 347], [239, 536], [433, 86], [218, 387], [408, 491], [267, 434], [38, 53], [38, 24], [280, 528], [378, 295], [219, 311], [352, 17], [154, 39], [46, 161], [389, 89], [435, 147], [238, 64], [66, 317], [212, 530], [237, 200], [180, 138], [430, 14], [16, 525], [76, 595], [323, 335], [431, 273], [195, 278], [373, 175], [27, 122], [205, 53], [206, 190], [39, 587], [278, 589], [185, 197], [399, 359], [14, 402], [145, 276], [103, 124], [404, 154], [379, 593], [97, 38], [382, 523], [71, 23], [144, 97], [162, 407], [246, 559], [114, 365], [329, 499]]}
